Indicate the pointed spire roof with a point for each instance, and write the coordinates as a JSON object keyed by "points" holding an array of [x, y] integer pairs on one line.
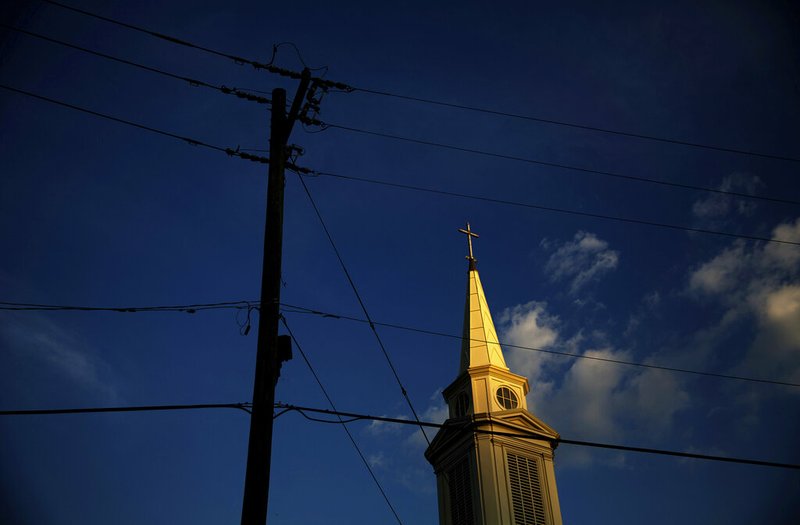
{"points": [[479, 345]]}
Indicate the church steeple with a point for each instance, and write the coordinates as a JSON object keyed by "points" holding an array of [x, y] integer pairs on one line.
{"points": [[493, 459], [479, 344]]}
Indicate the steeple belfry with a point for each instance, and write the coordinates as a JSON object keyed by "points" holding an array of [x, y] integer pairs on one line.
{"points": [[493, 459]]}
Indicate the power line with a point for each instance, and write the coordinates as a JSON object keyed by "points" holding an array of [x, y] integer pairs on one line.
{"points": [[364, 417], [577, 126], [546, 208], [363, 306], [296, 75], [290, 308], [348, 89], [185, 308], [264, 160], [341, 421], [193, 82], [529, 160], [193, 142], [301, 309], [150, 408], [463, 426]]}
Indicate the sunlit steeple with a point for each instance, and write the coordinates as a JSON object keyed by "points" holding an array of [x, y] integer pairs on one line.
{"points": [[493, 459], [479, 344]]}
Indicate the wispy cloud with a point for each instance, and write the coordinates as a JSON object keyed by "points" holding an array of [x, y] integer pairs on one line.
{"points": [[588, 398], [436, 412], [721, 273], [760, 281], [36, 338], [530, 325], [384, 429], [717, 206], [400, 456], [580, 261]]}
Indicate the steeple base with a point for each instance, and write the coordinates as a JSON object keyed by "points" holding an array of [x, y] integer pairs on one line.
{"points": [[496, 469]]}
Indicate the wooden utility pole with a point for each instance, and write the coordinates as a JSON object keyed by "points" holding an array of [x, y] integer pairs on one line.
{"points": [[269, 355]]}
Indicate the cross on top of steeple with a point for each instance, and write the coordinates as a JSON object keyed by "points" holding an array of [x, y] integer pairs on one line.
{"points": [[470, 234]]}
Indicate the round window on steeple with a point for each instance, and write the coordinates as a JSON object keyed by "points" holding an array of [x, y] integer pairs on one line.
{"points": [[462, 405], [507, 398]]}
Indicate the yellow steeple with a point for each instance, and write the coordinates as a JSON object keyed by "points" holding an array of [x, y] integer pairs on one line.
{"points": [[483, 367], [493, 459], [479, 344]]}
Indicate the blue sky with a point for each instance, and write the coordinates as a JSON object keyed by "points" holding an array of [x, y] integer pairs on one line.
{"points": [[97, 213]]}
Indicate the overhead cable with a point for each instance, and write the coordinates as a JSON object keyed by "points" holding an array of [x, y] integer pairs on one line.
{"points": [[341, 421], [236, 59], [185, 308], [149, 408], [541, 207], [464, 426], [290, 308], [577, 126], [301, 309], [529, 160], [193, 142], [403, 390], [459, 426], [193, 82], [341, 86]]}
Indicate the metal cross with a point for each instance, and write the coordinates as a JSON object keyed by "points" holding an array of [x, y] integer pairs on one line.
{"points": [[469, 233]]}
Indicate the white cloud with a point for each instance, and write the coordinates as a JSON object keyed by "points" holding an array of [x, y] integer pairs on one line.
{"points": [[384, 428], [657, 397], [760, 281], [35, 337], [783, 307], [529, 325], [436, 412], [721, 273], [376, 460], [784, 256], [775, 352], [592, 394], [648, 307], [718, 205], [404, 462], [580, 261], [587, 398]]}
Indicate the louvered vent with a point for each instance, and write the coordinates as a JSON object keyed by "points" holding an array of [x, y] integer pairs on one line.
{"points": [[460, 493], [526, 490]]}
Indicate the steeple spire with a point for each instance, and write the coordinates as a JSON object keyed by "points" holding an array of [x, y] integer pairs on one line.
{"points": [[479, 344]]}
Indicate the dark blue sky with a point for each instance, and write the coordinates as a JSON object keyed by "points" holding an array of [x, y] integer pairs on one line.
{"points": [[98, 213]]}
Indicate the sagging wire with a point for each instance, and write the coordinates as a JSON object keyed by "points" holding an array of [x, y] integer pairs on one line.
{"points": [[276, 47], [240, 93], [469, 426], [192, 142], [282, 412], [330, 421], [340, 420], [346, 272], [245, 326]]}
